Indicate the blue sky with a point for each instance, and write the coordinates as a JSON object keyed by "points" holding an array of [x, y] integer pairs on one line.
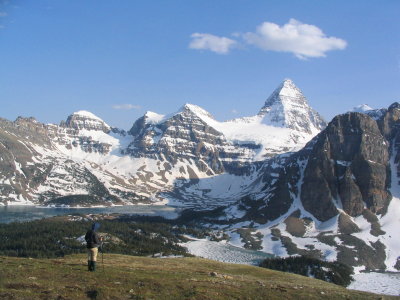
{"points": [[120, 58]]}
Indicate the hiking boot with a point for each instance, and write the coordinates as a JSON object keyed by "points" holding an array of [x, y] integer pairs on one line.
{"points": [[93, 266]]}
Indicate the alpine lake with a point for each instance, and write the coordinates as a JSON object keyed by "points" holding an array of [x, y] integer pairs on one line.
{"points": [[23, 213]]}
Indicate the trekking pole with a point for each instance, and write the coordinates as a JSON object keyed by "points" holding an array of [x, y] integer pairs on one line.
{"points": [[102, 255]]}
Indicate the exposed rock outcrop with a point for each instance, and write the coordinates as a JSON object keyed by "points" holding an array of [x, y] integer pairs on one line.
{"points": [[347, 167]]}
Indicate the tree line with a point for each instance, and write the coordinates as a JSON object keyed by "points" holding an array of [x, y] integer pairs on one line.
{"points": [[333, 272], [55, 237]]}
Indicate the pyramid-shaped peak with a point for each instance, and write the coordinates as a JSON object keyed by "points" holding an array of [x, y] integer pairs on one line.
{"points": [[287, 93], [287, 107], [288, 88]]}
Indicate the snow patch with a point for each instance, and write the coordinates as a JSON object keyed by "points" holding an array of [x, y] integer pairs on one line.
{"points": [[379, 283], [224, 252]]}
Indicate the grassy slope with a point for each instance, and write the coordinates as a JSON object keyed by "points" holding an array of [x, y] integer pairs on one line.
{"points": [[128, 277]]}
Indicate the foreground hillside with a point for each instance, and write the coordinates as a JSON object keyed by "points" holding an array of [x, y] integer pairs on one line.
{"points": [[128, 277]]}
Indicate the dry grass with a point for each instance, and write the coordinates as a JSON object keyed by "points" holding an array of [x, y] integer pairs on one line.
{"points": [[128, 277]]}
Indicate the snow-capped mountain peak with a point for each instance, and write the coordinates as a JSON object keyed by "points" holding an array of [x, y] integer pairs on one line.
{"points": [[361, 108], [196, 110], [153, 118], [87, 114], [288, 108], [86, 120], [191, 109], [366, 109], [288, 88]]}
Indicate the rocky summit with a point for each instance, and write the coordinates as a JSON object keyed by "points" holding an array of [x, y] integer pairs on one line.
{"points": [[287, 107], [282, 181]]}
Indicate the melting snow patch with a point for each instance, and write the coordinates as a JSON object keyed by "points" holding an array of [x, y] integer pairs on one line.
{"points": [[224, 252], [380, 283]]}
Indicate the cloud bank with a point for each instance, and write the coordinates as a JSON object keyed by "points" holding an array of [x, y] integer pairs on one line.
{"points": [[302, 40], [206, 41]]}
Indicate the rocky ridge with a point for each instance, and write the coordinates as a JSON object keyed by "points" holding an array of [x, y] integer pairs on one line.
{"points": [[161, 159]]}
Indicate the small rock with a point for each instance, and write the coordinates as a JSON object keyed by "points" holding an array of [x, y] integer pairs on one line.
{"points": [[214, 274], [117, 282], [260, 283], [131, 291], [32, 278], [322, 293]]}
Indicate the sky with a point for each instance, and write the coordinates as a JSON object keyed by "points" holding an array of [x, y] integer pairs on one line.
{"points": [[119, 59]]}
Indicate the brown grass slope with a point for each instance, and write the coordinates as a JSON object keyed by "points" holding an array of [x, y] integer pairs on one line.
{"points": [[129, 277]]}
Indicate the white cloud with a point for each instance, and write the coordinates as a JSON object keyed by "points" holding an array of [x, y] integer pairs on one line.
{"points": [[303, 40], [234, 111], [3, 14], [126, 106], [206, 41]]}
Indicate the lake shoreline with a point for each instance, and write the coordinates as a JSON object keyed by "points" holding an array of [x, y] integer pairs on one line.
{"points": [[26, 213]]}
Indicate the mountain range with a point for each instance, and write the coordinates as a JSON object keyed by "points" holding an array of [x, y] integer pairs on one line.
{"points": [[282, 181]]}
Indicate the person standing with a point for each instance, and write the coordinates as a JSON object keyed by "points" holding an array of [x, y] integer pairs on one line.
{"points": [[93, 242]]}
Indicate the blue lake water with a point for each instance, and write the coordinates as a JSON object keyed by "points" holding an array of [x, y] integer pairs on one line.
{"points": [[10, 214]]}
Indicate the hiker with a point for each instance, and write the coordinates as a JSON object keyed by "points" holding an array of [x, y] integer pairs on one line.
{"points": [[93, 242]]}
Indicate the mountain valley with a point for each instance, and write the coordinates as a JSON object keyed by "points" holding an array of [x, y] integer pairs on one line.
{"points": [[282, 181]]}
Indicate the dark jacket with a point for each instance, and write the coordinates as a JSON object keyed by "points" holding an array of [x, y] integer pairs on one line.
{"points": [[92, 238]]}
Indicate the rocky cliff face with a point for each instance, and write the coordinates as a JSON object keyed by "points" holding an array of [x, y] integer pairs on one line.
{"points": [[345, 168], [348, 168]]}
